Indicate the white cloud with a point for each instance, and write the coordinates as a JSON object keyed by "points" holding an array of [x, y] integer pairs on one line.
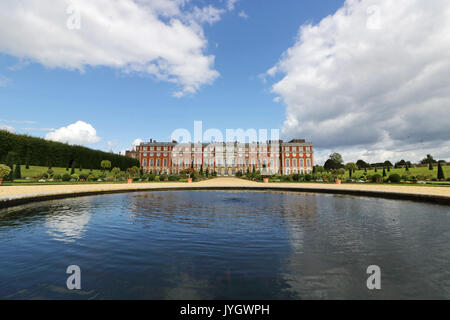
{"points": [[231, 4], [38, 129], [4, 81], [370, 79], [79, 133], [137, 142], [112, 144], [207, 14], [162, 38], [6, 127], [243, 15]]}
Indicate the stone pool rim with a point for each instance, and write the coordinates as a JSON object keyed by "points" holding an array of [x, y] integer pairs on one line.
{"points": [[14, 201]]}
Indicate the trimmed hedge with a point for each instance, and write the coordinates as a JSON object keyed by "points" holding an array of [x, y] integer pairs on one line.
{"points": [[40, 152]]}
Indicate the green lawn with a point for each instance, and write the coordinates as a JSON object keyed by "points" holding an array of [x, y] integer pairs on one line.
{"points": [[411, 172], [35, 170]]}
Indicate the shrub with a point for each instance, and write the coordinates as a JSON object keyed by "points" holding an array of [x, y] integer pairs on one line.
{"points": [[17, 172], [377, 178], [83, 176], [151, 177], [157, 179], [173, 178], [394, 178], [66, 177], [4, 171], [308, 177], [75, 176], [440, 174], [57, 176]]}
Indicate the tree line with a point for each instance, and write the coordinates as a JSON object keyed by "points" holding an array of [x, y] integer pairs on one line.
{"points": [[335, 163], [27, 150]]}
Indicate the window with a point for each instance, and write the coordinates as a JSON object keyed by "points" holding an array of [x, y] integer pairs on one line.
{"points": [[287, 163], [308, 163], [165, 162], [158, 162], [145, 162], [294, 163], [151, 162]]}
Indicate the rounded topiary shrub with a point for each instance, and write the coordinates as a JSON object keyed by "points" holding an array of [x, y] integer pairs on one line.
{"points": [[394, 178], [4, 171], [66, 177], [377, 178]]}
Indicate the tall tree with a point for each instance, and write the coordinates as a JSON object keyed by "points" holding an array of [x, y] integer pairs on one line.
{"points": [[429, 158], [336, 157], [350, 167], [106, 165]]}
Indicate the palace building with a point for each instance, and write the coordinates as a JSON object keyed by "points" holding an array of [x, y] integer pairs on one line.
{"points": [[226, 159]]}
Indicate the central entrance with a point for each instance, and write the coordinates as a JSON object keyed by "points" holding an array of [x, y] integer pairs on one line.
{"points": [[226, 172]]}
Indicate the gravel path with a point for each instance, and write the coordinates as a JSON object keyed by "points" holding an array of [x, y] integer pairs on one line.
{"points": [[24, 192]]}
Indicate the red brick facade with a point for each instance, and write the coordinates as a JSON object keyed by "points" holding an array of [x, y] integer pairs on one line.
{"points": [[296, 156]]}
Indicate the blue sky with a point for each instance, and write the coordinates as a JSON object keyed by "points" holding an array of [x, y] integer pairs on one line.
{"points": [[124, 107], [355, 76]]}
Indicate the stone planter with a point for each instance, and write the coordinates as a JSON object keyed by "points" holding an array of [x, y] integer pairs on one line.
{"points": [[130, 180], [189, 180], [266, 180], [338, 181], [1, 180], [166, 179]]}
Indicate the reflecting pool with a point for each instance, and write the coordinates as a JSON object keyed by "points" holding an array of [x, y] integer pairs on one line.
{"points": [[225, 245]]}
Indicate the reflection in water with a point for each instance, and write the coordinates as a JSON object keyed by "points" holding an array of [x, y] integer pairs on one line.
{"points": [[67, 227], [225, 245]]}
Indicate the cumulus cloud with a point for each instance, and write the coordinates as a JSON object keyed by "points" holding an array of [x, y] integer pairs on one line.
{"points": [[207, 14], [161, 38], [79, 133], [6, 128], [137, 142], [370, 79]]}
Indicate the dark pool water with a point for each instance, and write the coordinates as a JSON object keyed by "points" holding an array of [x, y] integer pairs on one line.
{"points": [[225, 245]]}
